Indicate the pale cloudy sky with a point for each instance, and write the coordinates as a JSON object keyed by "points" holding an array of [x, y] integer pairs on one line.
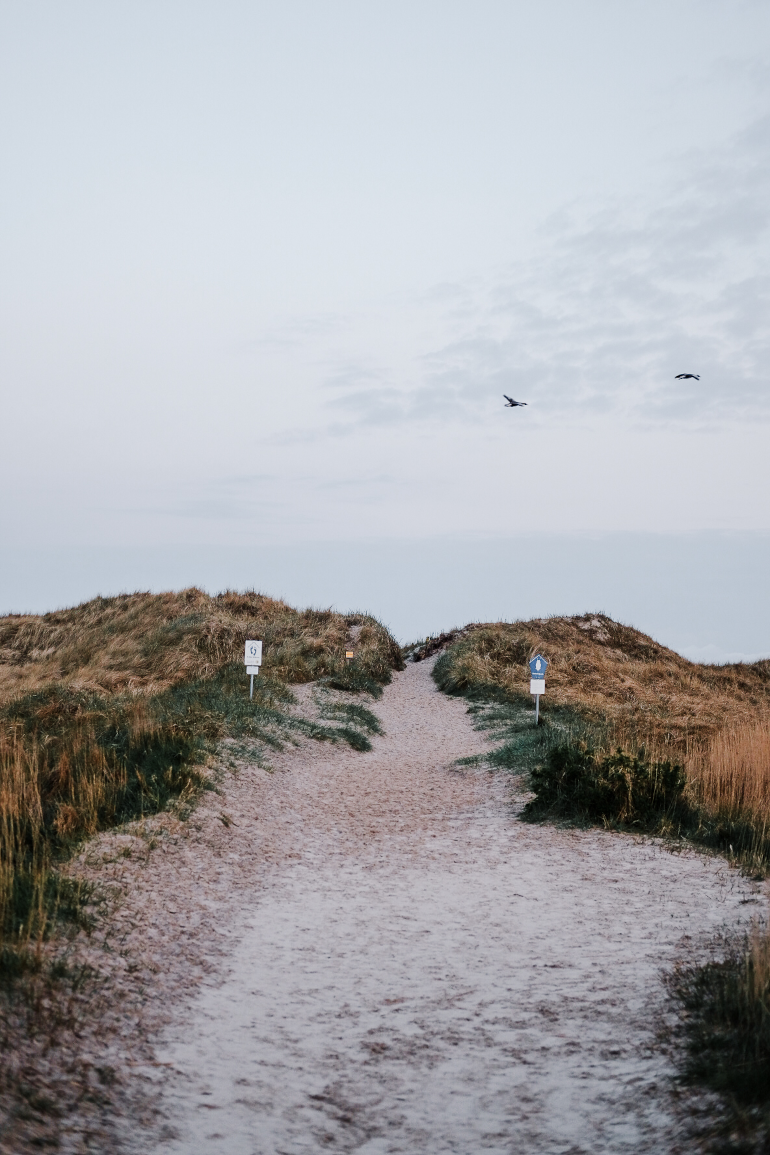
{"points": [[267, 269]]}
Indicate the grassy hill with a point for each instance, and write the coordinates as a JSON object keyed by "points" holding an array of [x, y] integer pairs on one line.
{"points": [[148, 642], [109, 710], [634, 734], [607, 672]]}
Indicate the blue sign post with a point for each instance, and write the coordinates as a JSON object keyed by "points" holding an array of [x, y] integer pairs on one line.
{"points": [[537, 667]]}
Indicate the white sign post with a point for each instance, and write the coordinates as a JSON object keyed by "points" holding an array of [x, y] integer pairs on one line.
{"points": [[537, 667], [253, 660]]}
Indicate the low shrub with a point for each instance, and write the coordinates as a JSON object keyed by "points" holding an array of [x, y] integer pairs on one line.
{"points": [[620, 787]]}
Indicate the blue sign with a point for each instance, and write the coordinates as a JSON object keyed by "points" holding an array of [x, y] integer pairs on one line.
{"points": [[538, 666]]}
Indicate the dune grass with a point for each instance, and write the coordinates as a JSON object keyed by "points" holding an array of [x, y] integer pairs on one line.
{"points": [[148, 642], [634, 737], [111, 710], [611, 675], [729, 783]]}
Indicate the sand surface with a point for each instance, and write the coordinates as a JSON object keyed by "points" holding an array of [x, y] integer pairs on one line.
{"points": [[413, 970], [368, 952]]}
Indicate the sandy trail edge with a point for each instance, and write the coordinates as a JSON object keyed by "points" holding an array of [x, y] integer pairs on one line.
{"points": [[375, 956]]}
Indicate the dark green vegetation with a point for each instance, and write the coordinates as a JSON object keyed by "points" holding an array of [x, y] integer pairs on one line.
{"points": [[726, 1033], [622, 788], [611, 675], [520, 745], [581, 780]]}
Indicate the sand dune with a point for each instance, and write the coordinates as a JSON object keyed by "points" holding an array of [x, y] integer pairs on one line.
{"points": [[375, 956]]}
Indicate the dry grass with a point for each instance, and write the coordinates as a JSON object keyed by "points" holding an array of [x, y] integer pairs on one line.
{"points": [[69, 767], [731, 774], [24, 854], [32, 893], [614, 675], [148, 642]]}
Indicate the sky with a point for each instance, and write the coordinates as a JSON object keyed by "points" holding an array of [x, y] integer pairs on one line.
{"points": [[267, 270]]}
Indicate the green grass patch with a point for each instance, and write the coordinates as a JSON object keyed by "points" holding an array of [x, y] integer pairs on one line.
{"points": [[356, 679], [352, 714]]}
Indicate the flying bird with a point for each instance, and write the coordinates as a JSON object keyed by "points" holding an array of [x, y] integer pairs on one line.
{"points": [[511, 403], [686, 376]]}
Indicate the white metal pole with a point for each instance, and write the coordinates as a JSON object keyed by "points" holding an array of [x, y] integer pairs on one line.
{"points": [[537, 708], [251, 685]]}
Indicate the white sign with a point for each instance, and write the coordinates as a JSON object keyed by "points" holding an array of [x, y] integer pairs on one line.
{"points": [[537, 686], [253, 655]]}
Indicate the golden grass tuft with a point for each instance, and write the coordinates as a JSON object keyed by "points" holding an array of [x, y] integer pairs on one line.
{"points": [[730, 774], [24, 853], [726, 1029]]}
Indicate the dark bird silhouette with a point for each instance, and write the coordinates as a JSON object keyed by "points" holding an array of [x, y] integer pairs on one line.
{"points": [[686, 376], [511, 404]]}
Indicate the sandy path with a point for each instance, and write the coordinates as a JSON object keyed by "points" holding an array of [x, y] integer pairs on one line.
{"points": [[400, 966]]}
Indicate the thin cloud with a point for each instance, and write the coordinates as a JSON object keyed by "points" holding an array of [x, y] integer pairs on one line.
{"points": [[599, 321]]}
